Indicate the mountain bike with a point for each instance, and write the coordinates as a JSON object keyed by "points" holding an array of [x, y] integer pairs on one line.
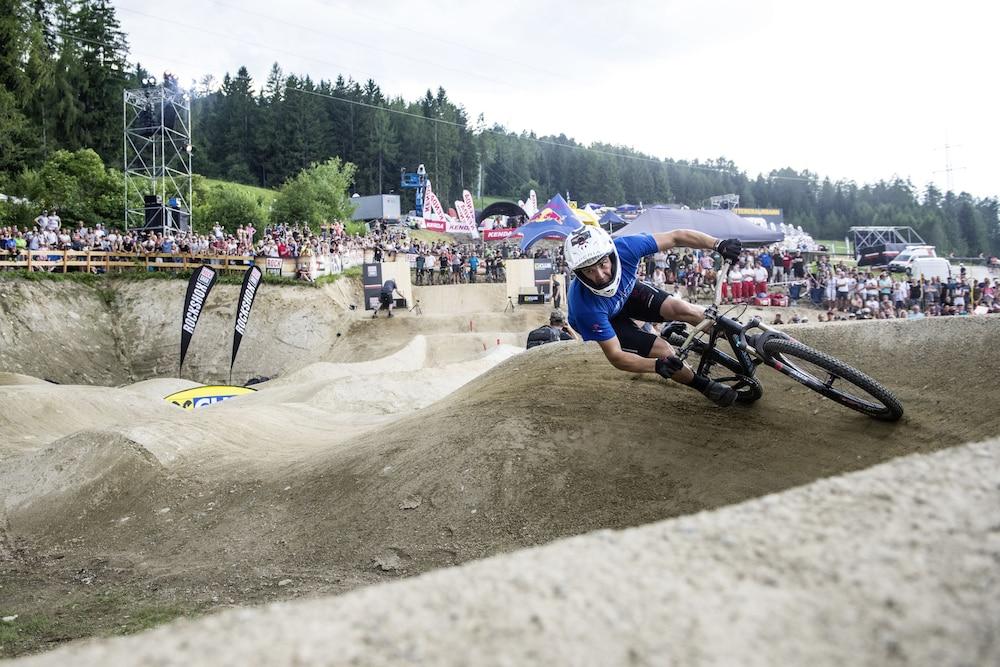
{"points": [[754, 344]]}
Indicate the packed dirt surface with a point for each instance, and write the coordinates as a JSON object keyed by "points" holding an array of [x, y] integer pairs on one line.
{"points": [[832, 573], [398, 447]]}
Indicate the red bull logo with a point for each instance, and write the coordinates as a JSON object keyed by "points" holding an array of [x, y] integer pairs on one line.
{"points": [[548, 214]]}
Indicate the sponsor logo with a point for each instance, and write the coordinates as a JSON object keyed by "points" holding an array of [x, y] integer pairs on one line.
{"points": [[247, 302], [580, 238], [201, 397], [548, 214], [197, 299]]}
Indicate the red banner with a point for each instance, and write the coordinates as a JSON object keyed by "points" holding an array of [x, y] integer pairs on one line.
{"points": [[498, 234], [434, 225]]}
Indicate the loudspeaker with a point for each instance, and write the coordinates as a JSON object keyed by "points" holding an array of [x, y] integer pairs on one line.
{"points": [[154, 216], [181, 220]]}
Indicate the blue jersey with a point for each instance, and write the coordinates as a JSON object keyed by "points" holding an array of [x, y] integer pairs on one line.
{"points": [[589, 314]]}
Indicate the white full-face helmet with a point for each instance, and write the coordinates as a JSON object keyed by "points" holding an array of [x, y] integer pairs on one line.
{"points": [[588, 246]]}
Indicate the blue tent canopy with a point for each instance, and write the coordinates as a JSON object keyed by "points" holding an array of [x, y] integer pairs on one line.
{"points": [[720, 223], [612, 222], [554, 220]]}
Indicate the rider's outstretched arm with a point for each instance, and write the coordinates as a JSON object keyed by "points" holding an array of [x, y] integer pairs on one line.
{"points": [[730, 249], [684, 238]]}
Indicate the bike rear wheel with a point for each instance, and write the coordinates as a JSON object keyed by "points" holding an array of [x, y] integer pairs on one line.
{"points": [[820, 371]]}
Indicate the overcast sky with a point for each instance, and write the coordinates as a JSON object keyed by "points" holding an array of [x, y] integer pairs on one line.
{"points": [[855, 89]]}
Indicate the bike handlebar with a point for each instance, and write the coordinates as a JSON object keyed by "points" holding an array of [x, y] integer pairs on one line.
{"points": [[720, 281]]}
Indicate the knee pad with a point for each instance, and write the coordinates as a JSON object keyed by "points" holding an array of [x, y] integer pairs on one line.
{"points": [[668, 366]]}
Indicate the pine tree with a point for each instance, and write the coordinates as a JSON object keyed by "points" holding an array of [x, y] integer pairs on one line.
{"points": [[103, 69]]}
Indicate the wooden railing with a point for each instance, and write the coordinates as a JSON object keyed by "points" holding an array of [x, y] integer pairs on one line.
{"points": [[96, 261]]}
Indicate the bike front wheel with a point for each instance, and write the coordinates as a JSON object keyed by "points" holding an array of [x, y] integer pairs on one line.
{"points": [[832, 378]]}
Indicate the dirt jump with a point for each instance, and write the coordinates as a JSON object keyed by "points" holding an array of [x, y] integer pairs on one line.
{"points": [[381, 449]]}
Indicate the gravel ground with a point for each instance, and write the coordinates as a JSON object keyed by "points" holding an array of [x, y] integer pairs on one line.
{"points": [[898, 564]]}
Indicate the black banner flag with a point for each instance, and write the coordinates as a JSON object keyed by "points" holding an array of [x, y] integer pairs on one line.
{"points": [[248, 292], [199, 286]]}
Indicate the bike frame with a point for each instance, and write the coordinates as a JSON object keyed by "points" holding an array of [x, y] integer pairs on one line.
{"points": [[748, 350]]}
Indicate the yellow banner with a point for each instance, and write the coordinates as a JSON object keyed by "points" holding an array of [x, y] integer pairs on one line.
{"points": [[757, 211], [200, 397]]}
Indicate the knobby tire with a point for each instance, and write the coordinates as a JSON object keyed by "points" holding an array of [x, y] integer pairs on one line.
{"points": [[785, 352]]}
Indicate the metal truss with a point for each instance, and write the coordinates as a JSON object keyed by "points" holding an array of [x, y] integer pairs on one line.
{"points": [[156, 139]]}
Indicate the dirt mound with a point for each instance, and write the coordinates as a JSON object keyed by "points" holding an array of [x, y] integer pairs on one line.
{"points": [[53, 490], [550, 443], [831, 573], [8, 379], [423, 441]]}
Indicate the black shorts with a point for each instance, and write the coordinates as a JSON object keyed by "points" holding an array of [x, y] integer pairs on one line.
{"points": [[385, 299], [642, 304]]}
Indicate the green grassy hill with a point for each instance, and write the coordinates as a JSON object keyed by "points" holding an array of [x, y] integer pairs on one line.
{"points": [[264, 195]]}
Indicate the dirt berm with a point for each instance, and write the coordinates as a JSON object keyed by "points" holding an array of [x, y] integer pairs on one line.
{"points": [[435, 445], [895, 565]]}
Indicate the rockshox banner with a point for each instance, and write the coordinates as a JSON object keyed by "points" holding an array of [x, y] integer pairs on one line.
{"points": [[248, 292], [200, 285]]}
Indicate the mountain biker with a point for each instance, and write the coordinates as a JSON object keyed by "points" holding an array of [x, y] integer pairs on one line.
{"points": [[607, 296]]}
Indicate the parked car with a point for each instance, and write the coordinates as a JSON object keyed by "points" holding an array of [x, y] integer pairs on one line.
{"points": [[902, 261], [929, 267]]}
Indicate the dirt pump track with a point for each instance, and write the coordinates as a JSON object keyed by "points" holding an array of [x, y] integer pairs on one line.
{"points": [[404, 446]]}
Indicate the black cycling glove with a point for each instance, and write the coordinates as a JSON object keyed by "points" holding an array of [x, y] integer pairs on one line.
{"points": [[730, 249], [668, 366]]}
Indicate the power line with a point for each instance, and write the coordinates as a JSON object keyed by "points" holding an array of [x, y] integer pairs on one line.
{"points": [[369, 45], [380, 20], [509, 135], [266, 47], [540, 141], [513, 136]]}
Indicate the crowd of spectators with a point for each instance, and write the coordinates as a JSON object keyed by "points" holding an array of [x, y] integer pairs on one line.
{"points": [[838, 290], [856, 293]]}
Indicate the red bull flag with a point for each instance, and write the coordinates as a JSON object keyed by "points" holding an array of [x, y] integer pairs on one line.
{"points": [[554, 220]]}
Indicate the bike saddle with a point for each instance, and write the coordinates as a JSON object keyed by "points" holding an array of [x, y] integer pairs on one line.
{"points": [[668, 328]]}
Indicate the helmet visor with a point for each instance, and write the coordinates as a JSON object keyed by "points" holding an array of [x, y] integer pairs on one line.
{"points": [[593, 263]]}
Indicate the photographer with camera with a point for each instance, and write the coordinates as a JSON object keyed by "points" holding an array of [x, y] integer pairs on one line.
{"points": [[554, 331]]}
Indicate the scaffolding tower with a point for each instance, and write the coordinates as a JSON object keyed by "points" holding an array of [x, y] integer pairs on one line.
{"points": [[157, 157], [728, 202], [874, 237]]}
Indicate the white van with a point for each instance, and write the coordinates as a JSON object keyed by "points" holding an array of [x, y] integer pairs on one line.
{"points": [[902, 261], [929, 267]]}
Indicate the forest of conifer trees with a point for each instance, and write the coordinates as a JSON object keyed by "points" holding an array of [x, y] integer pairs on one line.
{"points": [[64, 64]]}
